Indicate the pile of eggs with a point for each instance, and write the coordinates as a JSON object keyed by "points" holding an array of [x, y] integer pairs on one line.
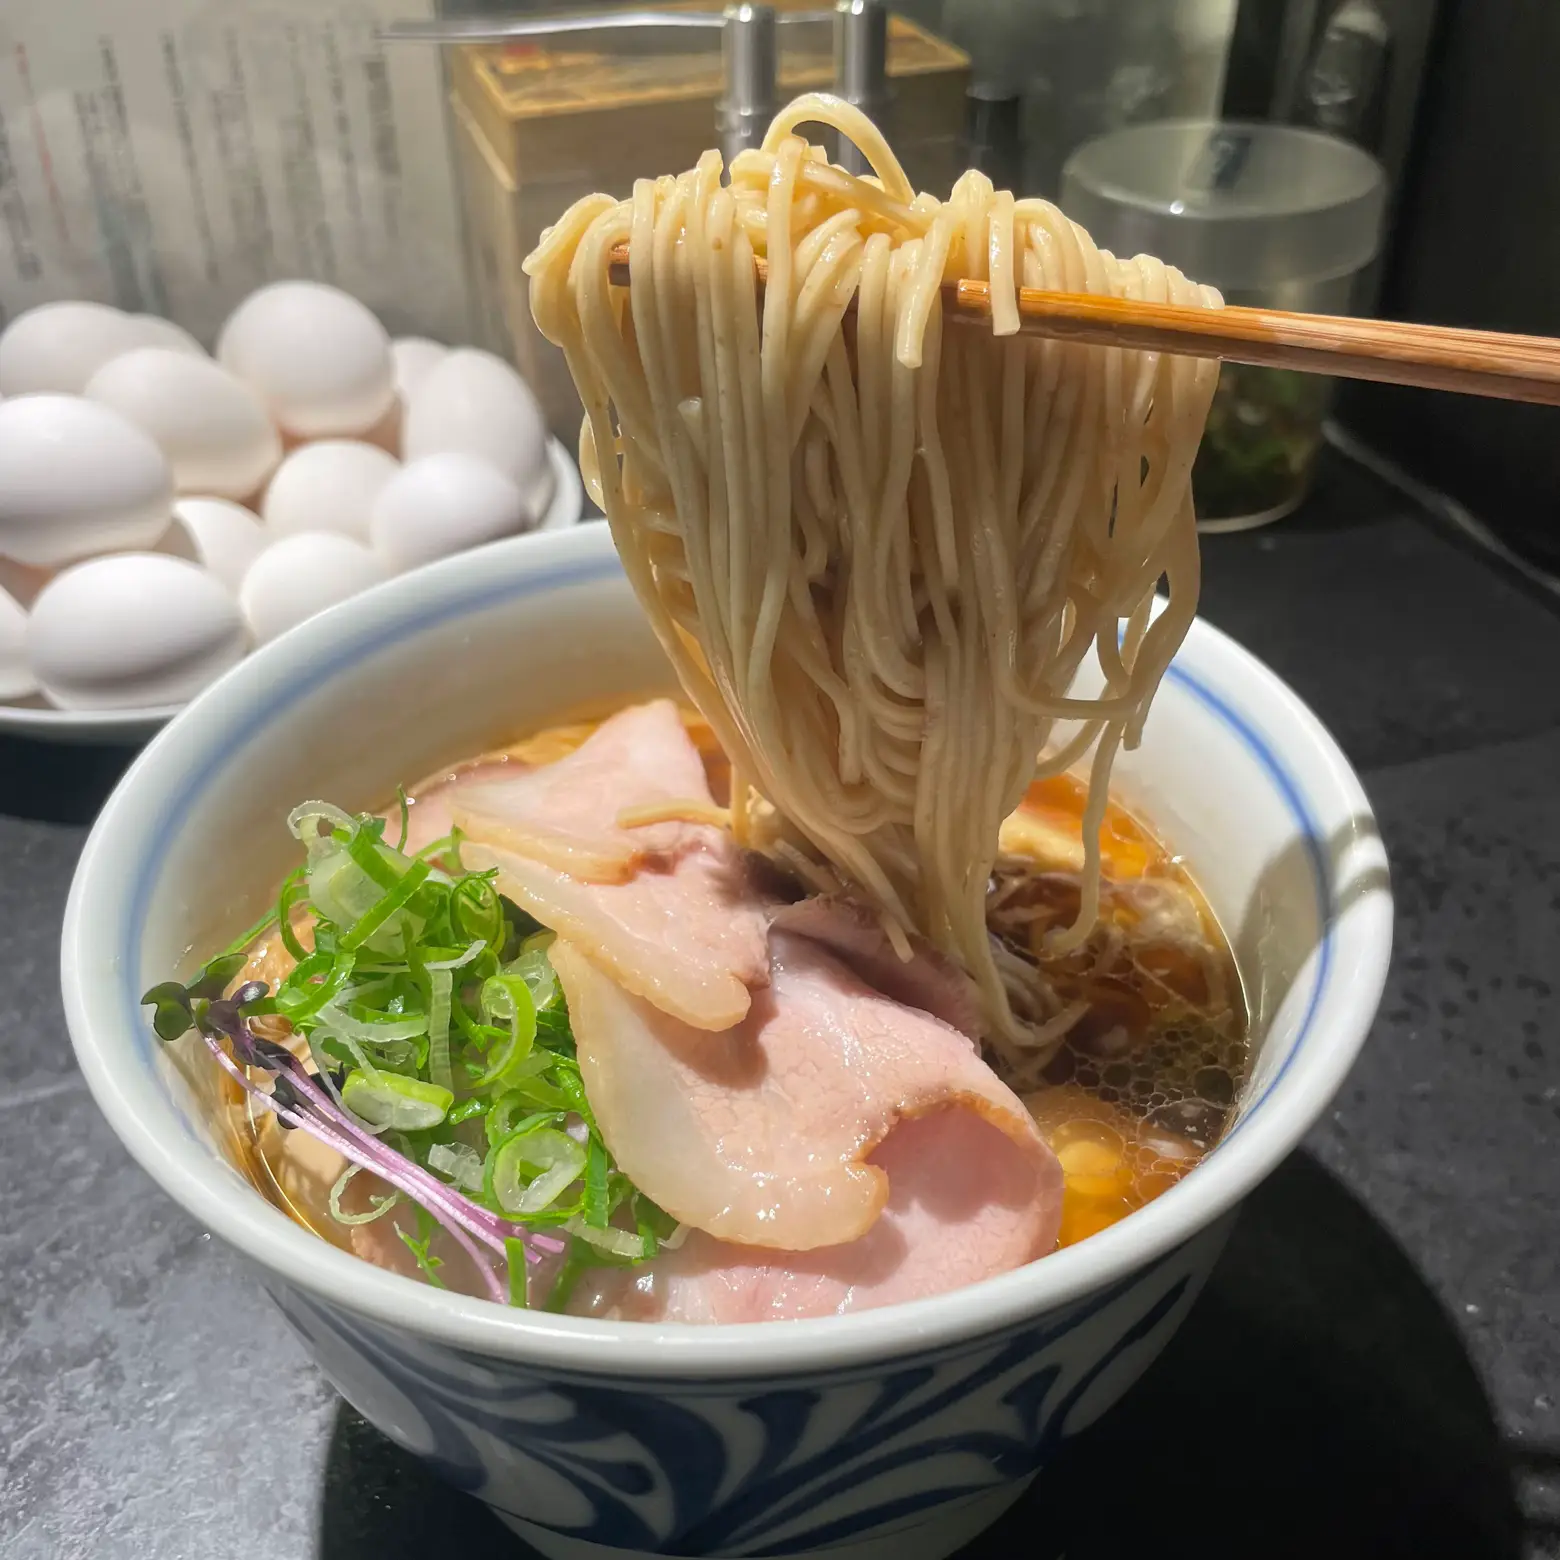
{"points": [[161, 510]]}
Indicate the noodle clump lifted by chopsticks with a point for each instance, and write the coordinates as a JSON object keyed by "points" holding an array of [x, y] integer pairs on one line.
{"points": [[878, 550]]}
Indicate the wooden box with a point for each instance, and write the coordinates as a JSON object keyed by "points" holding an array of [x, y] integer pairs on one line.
{"points": [[542, 123]]}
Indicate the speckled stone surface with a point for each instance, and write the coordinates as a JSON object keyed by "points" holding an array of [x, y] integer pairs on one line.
{"points": [[1406, 644], [36, 862], [1373, 1371]]}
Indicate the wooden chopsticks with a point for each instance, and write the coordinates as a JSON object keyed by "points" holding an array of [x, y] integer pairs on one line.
{"points": [[1433, 357]]}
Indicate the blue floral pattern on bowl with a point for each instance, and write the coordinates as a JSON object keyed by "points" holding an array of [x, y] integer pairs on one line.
{"points": [[760, 1468]]}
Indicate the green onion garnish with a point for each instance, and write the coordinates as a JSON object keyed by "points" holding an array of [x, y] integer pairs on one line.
{"points": [[437, 1053], [391, 1100]]}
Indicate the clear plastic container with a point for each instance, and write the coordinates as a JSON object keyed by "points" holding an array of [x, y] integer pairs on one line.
{"points": [[1270, 215]]}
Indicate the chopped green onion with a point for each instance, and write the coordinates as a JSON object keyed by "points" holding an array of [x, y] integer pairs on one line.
{"points": [[296, 888], [379, 1032], [303, 820], [391, 1100], [501, 1123], [514, 1250], [439, 1070], [303, 1000], [508, 997], [481, 1036], [460, 1162], [380, 1205], [525, 1081], [572, 1087], [423, 977], [434, 850], [378, 914], [576, 1259], [418, 1246], [595, 1209], [461, 960], [614, 1242], [477, 909], [553, 1031], [554, 1159], [535, 969], [367, 849], [657, 1228], [342, 889]]}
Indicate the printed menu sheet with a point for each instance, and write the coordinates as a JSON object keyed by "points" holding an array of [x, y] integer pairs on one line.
{"points": [[168, 156]]}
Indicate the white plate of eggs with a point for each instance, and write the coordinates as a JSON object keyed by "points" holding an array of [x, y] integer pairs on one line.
{"points": [[163, 511]]}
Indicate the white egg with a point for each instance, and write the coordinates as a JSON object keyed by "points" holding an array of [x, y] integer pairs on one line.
{"points": [[415, 358], [16, 673], [477, 404], [329, 486], [317, 356], [301, 575], [226, 538], [132, 629], [154, 331], [59, 346], [444, 504], [77, 478], [214, 430]]}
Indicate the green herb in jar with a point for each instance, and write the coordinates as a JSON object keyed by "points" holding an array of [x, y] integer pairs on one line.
{"points": [[1264, 428]]}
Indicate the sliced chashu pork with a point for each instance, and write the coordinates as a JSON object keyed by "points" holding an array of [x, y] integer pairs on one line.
{"points": [[686, 934], [428, 810], [564, 815], [928, 979], [763, 1134], [678, 920], [965, 1203]]}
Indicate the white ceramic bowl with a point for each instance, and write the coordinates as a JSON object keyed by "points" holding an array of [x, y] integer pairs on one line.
{"points": [[43, 723], [898, 1432]]}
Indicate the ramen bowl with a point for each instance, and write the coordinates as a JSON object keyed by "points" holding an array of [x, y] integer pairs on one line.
{"points": [[900, 1431]]}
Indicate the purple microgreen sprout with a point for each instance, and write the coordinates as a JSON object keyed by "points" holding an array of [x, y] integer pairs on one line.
{"points": [[298, 1101]]}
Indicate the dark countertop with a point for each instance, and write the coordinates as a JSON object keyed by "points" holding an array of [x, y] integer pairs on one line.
{"points": [[1374, 1369]]}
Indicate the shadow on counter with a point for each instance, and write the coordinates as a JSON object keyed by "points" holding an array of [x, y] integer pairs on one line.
{"points": [[53, 782], [1317, 1402]]}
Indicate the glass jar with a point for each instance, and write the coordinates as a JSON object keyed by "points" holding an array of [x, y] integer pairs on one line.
{"points": [[1272, 216]]}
